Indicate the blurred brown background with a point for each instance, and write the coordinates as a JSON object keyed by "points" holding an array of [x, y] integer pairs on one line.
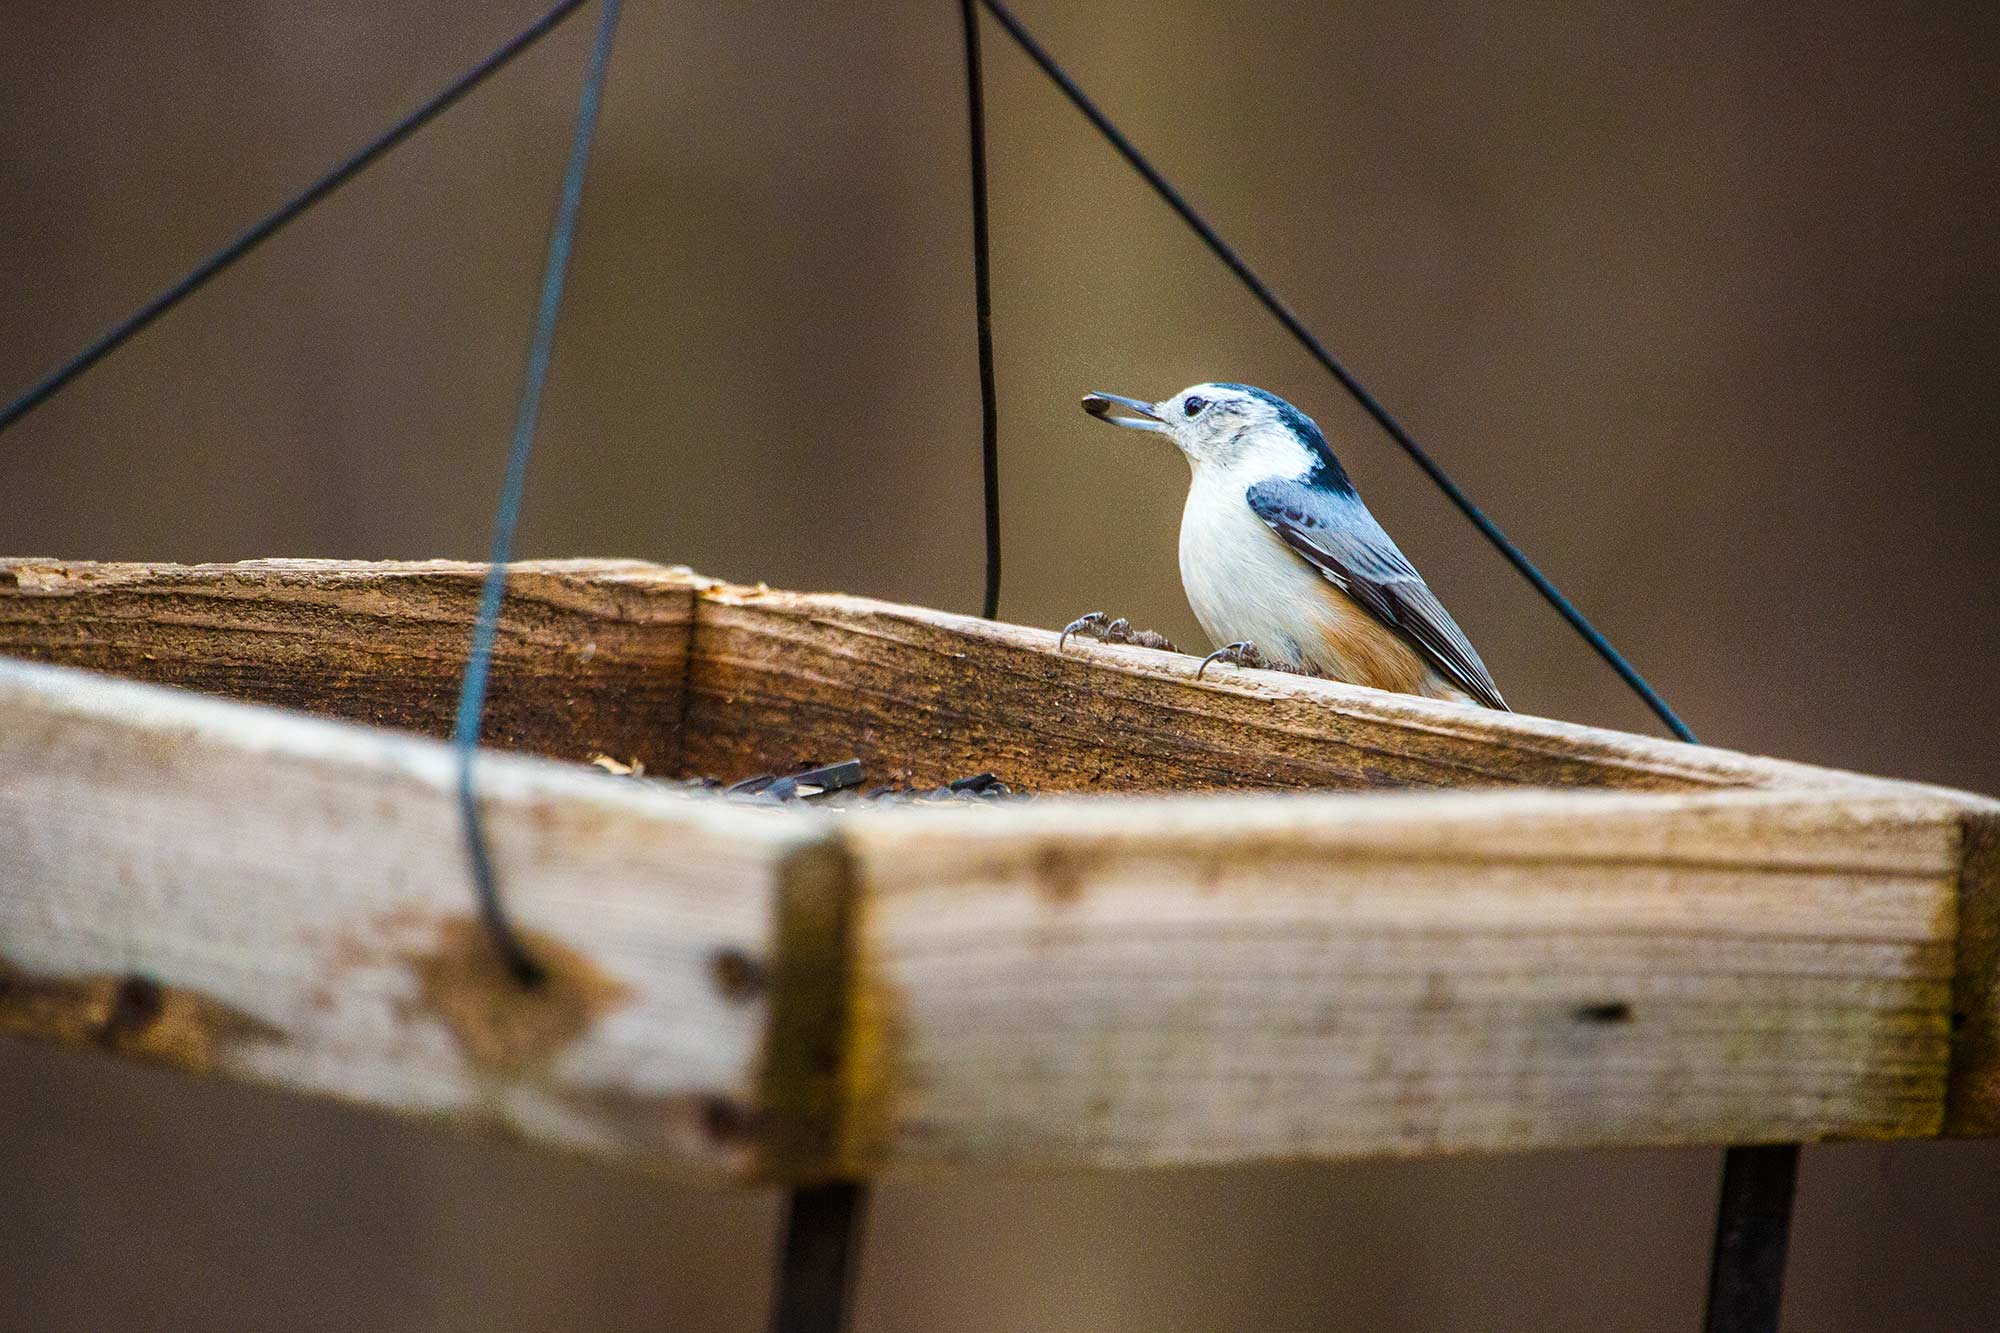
{"points": [[1702, 303]]}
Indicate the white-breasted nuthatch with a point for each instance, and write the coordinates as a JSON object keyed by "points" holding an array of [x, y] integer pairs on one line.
{"points": [[1282, 561]]}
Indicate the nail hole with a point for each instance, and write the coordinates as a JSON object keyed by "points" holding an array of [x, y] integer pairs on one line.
{"points": [[737, 975], [1612, 1011], [726, 1121], [134, 1008]]}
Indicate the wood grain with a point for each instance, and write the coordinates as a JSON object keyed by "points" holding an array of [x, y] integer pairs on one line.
{"points": [[595, 656], [782, 678], [1714, 948], [265, 896], [1133, 984], [590, 657], [778, 994]]}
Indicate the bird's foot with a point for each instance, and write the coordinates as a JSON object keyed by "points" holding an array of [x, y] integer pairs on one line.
{"points": [[1097, 625], [1243, 654]]}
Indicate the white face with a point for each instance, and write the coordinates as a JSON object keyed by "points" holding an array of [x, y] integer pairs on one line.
{"points": [[1216, 425], [1209, 422]]}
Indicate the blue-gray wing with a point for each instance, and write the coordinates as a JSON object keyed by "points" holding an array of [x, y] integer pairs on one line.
{"points": [[1337, 535]]}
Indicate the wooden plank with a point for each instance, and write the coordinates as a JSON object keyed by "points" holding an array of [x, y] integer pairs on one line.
{"points": [[590, 657], [593, 656], [925, 696], [1131, 984], [260, 895], [792, 995]]}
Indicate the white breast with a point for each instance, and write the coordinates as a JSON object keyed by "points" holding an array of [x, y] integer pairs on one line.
{"points": [[1242, 581]]}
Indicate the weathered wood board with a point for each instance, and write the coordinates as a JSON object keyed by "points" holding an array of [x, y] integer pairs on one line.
{"points": [[591, 654], [1323, 977], [1719, 948], [696, 676], [258, 894], [932, 695]]}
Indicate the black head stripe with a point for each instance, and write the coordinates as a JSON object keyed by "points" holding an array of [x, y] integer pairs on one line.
{"points": [[1326, 470]]}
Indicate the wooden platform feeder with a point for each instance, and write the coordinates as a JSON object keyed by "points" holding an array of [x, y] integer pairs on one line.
{"points": [[1547, 936]]}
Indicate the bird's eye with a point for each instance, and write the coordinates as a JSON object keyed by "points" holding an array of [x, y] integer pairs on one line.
{"points": [[1192, 407]]}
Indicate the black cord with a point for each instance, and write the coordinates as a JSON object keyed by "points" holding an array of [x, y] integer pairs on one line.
{"points": [[119, 333], [541, 346], [822, 1249], [982, 296], [1753, 1223], [1258, 288]]}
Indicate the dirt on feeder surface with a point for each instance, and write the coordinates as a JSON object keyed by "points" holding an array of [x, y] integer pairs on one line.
{"points": [[837, 786]]}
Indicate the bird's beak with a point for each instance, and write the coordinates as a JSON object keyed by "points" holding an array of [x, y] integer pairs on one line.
{"points": [[1099, 405]]}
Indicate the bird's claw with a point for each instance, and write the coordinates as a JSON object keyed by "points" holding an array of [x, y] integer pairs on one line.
{"points": [[1243, 654], [1097, 625], [1090, 623]]}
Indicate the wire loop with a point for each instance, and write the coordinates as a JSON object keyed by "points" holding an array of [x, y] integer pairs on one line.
{"points": [[534, 378]]}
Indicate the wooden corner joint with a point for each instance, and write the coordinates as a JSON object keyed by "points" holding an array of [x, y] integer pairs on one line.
{"points": [[1972, 1105], [799, 1124]]}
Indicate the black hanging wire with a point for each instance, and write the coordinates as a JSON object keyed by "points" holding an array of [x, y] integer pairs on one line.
{"points": [[541, 346], [1753, 1220], [1262, 291], [982, 296], [816, 1269], [118, 334]]}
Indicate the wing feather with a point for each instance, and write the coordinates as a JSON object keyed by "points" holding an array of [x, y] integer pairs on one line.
{"points": [[1337, 535]]}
